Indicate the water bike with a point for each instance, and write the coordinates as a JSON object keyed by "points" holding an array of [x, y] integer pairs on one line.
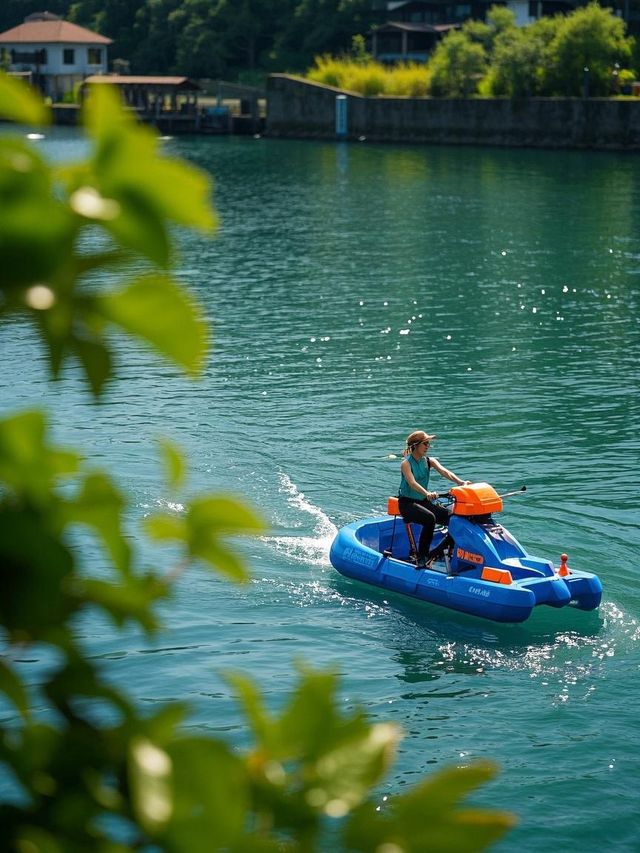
{"points": [[480, 568]]}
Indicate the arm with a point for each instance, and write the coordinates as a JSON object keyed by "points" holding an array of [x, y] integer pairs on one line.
{"points": [[444, 472]]}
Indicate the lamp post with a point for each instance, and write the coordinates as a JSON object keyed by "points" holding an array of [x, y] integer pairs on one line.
{"points": [[585, 82]]}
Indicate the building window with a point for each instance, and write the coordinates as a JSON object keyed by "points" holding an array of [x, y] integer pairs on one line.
{"points": [[34, 57], [68, 56], [94, 55]]}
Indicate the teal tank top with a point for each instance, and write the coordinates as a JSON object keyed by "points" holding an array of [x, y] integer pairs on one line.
{"points": [[420, 471]]}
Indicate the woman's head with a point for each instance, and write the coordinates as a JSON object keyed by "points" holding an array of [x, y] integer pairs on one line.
{"points": [[417, 438]]}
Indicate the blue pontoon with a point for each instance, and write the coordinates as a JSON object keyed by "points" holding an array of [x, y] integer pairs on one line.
{"points": [[483, 571]]}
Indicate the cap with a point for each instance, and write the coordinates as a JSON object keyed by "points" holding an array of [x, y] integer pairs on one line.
{"points": [[418, 436]]}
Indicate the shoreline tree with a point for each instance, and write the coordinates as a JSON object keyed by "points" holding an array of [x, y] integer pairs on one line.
{"points": [[499, 59]]}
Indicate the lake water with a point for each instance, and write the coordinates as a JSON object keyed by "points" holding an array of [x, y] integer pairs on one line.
{"points": [[356, 293]]}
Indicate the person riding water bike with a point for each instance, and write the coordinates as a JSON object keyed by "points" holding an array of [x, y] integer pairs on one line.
{"points": [[415, 501]]}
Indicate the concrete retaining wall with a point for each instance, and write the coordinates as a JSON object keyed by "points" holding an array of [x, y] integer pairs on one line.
{"points": [[298, 108]]}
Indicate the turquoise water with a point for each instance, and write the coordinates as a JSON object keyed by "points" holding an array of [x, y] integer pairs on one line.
{"points": [[357, 293]]}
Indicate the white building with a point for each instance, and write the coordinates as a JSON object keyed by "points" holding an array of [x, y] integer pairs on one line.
{"points": [[58, 55]]}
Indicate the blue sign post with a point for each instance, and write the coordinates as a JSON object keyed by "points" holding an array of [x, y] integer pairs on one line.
{"points": [[341, 116]]}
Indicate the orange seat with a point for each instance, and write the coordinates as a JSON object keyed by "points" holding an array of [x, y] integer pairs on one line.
{"points": [[392, 506]]}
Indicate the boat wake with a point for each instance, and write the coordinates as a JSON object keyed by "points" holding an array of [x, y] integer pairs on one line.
{"points": [[312, 547]]}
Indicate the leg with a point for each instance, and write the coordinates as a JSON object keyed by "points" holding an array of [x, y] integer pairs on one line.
{"points": [[442, 517], [438, 552], [420, 513]]}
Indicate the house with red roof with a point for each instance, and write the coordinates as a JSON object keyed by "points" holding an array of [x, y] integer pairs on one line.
{"points": [[56, 54]]}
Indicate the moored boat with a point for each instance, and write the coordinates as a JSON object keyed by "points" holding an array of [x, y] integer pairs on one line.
{"points": [[483, 571]]}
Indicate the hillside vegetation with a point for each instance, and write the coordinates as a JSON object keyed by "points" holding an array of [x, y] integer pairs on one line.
{"points": [[585, 52], [225, 39]]}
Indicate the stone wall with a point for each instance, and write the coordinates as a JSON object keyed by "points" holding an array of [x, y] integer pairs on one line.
{"points": [[298, 108]]}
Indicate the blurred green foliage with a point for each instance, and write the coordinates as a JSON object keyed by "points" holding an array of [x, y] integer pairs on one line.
{"points": [[93, 772]]}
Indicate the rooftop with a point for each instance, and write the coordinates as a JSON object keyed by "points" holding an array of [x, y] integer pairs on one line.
{"points": [[46, 28], [127, 80]]}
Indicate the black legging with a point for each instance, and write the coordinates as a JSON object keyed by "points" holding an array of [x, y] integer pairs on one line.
{"points": [[428, 514]]}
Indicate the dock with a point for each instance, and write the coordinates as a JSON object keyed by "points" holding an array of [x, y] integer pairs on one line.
{"points": [[179, 105]]}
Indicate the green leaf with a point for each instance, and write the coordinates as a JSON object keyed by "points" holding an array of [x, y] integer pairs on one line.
{"points": [[429, 817], [222, 516], [131, 599], [339, 758], [95, 358], [209, 519], [29, 753], [445, 790], [29, 465], [345, 775], [210, 796], [36, 569], [141, 227], [203, 546], [14, 689], [150, 778], [174, 462], [103, 114], [253, 707], [311, 724], [19, 102], [159, 312], [36, 840], [36, 227], [79, 678], [166, 528], [162, 727], [128, 159], [99, 505]]}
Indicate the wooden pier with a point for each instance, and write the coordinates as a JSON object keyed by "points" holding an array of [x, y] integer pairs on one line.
{"points": [[178, 105]]}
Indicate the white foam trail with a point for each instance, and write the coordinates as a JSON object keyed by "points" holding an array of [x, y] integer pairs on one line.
{"points": [[164, 505], [305, 549]]}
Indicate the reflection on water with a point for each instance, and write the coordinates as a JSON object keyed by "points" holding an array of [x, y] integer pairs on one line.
{"points": [[428, 643]]}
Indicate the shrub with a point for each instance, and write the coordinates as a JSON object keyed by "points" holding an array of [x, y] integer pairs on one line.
{"points": [[371, 78], [410, 80], [457, 66], [590, 38], [368, 79], [328, 70], [514, 67]]}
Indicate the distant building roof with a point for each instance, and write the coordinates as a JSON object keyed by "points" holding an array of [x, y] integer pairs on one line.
{"points": [[45, 28], [393, 26], [126, 80]]}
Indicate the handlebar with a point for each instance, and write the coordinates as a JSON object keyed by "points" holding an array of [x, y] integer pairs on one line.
{"points": [[517, 492], [504, 495]]}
